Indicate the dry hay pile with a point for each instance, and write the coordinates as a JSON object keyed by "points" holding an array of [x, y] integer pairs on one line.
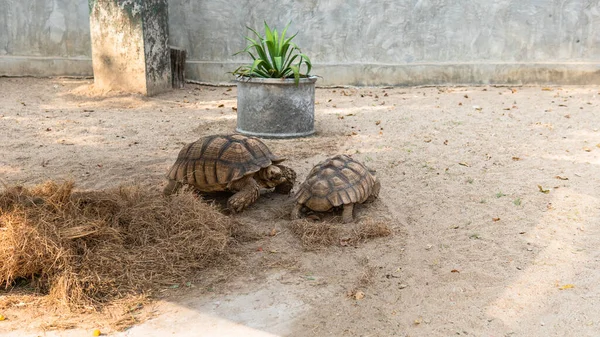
{"points": [[84, 249], [320, 234]]}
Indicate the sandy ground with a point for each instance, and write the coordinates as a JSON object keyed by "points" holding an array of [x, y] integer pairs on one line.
{"points": [[477, 247]]}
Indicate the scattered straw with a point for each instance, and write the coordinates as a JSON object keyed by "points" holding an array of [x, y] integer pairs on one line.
{"points": [[84, 249], [319, 234], [315, 234], [371, 229]]}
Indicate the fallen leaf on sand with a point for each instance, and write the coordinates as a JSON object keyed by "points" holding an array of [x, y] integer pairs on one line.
{"points": [[495, 219], [516, 158], [455, 271], [359, 295], [464, 164], [566, 286], [543, 190]]}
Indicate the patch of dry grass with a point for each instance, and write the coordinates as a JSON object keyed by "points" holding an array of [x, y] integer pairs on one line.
{"points": [[85, 249], [323, 233], [371, 229], [315, 234]]}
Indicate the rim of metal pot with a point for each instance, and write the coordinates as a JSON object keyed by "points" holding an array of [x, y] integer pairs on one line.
{"points": [[303, 80]]}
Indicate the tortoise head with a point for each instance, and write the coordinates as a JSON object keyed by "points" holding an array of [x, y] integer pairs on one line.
{"points": [[269, 176], [278, 176]]}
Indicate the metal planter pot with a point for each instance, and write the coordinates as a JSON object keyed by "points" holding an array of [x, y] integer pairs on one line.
{"points": [[276, 108]]}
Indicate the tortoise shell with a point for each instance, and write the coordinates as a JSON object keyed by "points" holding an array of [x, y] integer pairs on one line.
{"points": [[334, 182], [212, 163]]}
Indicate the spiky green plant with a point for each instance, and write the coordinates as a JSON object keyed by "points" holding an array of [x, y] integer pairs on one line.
{"points": [[274, 56]]}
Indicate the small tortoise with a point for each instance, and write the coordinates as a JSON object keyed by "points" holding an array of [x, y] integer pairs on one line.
{"points": [[337, 181], [235, 163]]}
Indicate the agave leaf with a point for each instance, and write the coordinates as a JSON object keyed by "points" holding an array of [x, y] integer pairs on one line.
{"points": [[255, 64], [278, 63], [282, 37], [296, 71], [307, 61], [268, 33], [255, 32], [272, 52], [291, 59]]}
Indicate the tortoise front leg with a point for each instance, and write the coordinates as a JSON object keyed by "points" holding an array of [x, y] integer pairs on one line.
{"points": [[247, 193], [296, 212], [347, 214], [172, 187], [288, 179]]}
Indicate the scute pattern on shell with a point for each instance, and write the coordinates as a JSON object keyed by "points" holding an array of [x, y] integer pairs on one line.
{"points": [[334, 182], [220, 159]]}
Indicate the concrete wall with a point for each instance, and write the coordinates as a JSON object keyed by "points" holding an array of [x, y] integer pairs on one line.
{"points": [[362, 42], [44, 37]]}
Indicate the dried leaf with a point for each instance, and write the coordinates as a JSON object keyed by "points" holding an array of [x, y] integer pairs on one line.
{"points": [[455, 271], [547, 89], [516, 158], [543, 190], [495, 219], [566, 286], [345, 242], [359, 295], [464, 164]]}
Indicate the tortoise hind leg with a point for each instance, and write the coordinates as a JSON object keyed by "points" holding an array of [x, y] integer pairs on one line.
{"points": [[247, 193], [172, 187], [347, 214]]}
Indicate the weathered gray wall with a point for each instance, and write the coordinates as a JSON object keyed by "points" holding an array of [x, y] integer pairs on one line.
{"points": [[44, 37], [364, 42]]}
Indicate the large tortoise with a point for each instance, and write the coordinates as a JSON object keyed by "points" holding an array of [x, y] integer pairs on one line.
{"points": [[334, 182], [235, 163]]}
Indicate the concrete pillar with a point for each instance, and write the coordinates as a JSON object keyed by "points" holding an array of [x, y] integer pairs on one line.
{"points": [[130, 47]]}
